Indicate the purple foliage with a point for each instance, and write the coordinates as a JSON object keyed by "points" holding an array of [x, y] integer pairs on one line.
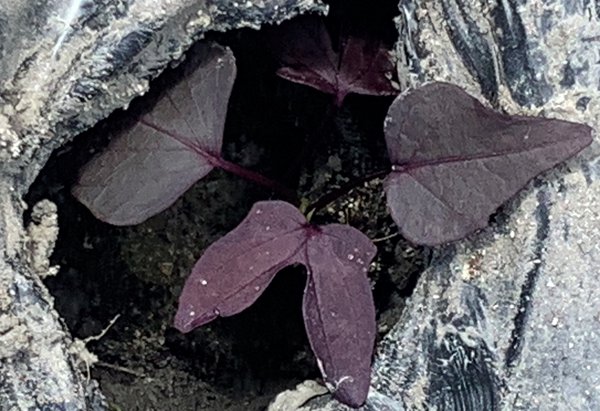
{"points": [[455, 161], [362, 65], [147, 167], [339, 313]]}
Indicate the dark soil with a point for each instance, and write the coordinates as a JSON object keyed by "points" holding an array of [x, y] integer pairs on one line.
{"points": [[241, 362]]}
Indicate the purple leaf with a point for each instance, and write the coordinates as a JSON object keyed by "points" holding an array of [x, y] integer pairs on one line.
{"points": [[338, 310], [338, 306], [455, 161], [362, 65], [147, 167], [234, 271]]}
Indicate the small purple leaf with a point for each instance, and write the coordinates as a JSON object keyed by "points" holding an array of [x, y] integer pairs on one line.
{"points": [[338, 310], [455, 161], [306, 52], [362, 65], [338, 305], [147, 167]]}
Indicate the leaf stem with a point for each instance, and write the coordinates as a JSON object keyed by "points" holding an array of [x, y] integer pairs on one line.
{"points": [[333, 195], [255, 177], [217, 161]]}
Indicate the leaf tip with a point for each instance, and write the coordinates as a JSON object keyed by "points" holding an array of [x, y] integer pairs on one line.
{"points": [[588, 134], [187, 318], [350, 391]]}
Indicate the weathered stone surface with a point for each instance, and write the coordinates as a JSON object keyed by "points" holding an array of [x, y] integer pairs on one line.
{"points": [[68, 63], [507, 319], [65, 64]]}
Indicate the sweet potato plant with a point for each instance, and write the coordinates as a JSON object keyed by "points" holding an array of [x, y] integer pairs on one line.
{"points": [[454, 162]]}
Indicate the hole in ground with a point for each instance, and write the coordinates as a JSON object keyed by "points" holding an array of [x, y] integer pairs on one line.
{"points": [[241, 362]]}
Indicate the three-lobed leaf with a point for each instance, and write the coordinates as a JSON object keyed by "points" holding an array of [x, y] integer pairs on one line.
{"points": [[362, 65], [455, 161], [338, 307], [148, 166]]}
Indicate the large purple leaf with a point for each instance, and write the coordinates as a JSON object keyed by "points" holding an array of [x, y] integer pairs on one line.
{"points": [[362, 65], [338, 306], [455, 161], [148, 166], [338, 310]]}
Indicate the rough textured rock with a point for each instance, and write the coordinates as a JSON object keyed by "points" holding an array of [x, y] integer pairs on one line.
{"points": [[507, 319], [65, 64]]}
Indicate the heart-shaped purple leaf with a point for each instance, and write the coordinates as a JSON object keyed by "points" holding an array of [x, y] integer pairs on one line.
{"points": [[148, 166], [362, 65], [338, 305], [455, 161]]}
